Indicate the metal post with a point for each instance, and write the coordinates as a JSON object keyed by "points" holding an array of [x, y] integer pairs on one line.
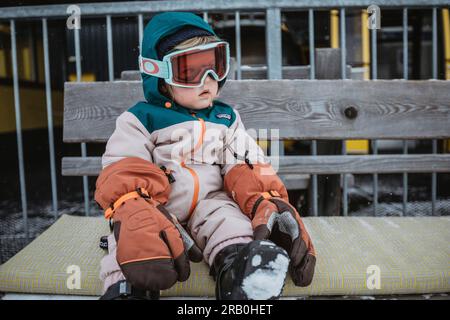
{"points": [[83, 145], [433, 183], [140, 30], [343, 44], [205, 16], [374, 54], [405, 76], [375, 181], [405, 43], [343, 76], [273, 43], [48, 95], [238, 44], [345, 196], [374, 142], [274, 51], [435, 76], [405, 182], [23, 192], [110, 47], [312, 74], [314, 181], [435, 65]]}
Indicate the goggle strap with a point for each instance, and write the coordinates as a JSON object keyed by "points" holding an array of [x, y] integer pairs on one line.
{"points": [[154, 67]]}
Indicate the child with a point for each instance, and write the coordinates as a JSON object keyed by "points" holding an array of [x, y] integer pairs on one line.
{"points": [[183, 156]]}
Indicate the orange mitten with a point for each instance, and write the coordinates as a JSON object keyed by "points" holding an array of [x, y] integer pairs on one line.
{"points": [[150, 249], [262, 196]]}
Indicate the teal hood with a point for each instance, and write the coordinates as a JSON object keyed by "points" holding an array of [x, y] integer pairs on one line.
{"points": [[160, 26]]}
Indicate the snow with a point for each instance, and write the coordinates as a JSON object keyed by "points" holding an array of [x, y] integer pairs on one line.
{"points": [[256, 261], [266, 243], [367, 298], [268, 282]]}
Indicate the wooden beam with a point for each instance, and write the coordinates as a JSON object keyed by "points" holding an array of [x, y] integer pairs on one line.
{"points": [[295, 165], [299, 109]]}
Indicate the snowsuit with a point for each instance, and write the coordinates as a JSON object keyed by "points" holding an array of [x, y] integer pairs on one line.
{"points": [[192, 148]]}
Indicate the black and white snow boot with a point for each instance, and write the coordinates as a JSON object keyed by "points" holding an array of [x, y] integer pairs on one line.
{"points": [[252, 271], [123, 290]]}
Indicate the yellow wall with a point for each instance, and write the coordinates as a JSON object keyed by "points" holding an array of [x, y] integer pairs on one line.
{"points": [[33, 108], [365, 44], [334, 29], [446, 36], [2, 63]]}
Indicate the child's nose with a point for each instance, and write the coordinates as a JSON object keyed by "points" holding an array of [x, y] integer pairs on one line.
{"points": [[209, 78]]}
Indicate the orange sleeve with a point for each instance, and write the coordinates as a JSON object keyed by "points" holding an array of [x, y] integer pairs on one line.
{"points": [[127, 175], [246, 185]]}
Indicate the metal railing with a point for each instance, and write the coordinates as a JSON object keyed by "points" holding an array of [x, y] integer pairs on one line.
{"points": [[272, 9]]}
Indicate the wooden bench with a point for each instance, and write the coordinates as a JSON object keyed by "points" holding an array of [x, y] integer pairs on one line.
{"points": [[411, 252], [298, 109]]}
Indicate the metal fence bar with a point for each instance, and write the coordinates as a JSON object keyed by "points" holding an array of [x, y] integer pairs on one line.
{"points": [[83, 145], [405, 43], [140, 30], [374, 54], [433, 182], [144, 7], [314, 181], [343, 45], [23, 192], [405, 183], [344, 186], [405, 76], [110, 48], [48, 94], [374, 142], [434, 143], [312, 75], [375, 181], [273, 37], [343, 76], [274, 52], [237, 25], [312, 64], [434, 44]]}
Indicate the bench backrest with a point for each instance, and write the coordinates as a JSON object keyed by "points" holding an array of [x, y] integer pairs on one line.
{"points": [[299, 109]]}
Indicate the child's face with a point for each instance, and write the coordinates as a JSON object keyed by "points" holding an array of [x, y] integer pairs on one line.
{"points": [[197, 98]]}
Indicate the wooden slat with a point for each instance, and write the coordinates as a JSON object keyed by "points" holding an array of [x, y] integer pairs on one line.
{"points": [[300, 109], [290, 165], [91, 166], [360, 164]]}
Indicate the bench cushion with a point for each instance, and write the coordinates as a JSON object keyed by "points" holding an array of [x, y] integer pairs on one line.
{"points": [[413, 255]]}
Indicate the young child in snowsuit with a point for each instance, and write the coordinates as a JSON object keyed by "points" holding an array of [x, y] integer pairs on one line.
{"points": [[182, 157]]}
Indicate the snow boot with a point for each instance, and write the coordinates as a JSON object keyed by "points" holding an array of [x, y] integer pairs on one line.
{"points": [[123, 290], [252, 271]]}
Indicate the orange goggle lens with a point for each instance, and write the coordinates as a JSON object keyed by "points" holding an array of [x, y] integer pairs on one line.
{"points": [[188, 68]]}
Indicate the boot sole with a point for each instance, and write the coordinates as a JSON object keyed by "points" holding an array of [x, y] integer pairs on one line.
{"points": [[266, 269]]}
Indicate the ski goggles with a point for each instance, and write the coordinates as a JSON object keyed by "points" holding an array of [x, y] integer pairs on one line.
{"points": [[189, 67]]}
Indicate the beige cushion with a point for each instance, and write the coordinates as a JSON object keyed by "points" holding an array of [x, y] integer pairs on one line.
{"points": [[413, 255]]}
